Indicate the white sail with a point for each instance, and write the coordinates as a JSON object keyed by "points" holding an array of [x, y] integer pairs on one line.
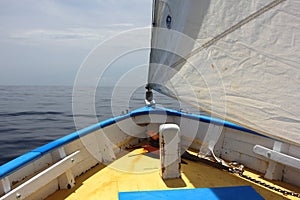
{"points": [[239, 60]]}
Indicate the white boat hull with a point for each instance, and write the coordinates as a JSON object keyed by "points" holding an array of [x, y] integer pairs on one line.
{"points": [[54, 166]]}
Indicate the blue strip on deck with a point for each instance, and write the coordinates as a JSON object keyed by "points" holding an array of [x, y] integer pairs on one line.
{"points": [[224, 193]]}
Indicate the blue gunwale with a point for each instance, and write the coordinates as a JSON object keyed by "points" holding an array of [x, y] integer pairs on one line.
{"points": [[11, 166]]}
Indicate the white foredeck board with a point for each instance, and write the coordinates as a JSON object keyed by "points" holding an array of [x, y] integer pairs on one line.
{"points": [[43, 178]]}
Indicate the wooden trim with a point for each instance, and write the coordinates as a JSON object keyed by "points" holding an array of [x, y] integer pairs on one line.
{"points": [[277, 156], [44, 177]]}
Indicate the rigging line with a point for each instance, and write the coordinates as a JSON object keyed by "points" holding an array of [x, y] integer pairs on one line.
{"points": [[230, 30]]}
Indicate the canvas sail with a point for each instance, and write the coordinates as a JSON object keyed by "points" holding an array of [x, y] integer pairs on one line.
{"points": [[239, 60]]}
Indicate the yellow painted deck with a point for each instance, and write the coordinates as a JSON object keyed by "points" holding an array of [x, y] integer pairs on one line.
{"points": [[139, 171]]}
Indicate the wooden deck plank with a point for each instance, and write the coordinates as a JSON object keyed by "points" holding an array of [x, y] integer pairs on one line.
{"points": [[139, 171]]}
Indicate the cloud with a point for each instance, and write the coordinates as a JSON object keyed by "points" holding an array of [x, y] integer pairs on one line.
{"points": [[72, 36], [58, 21], [53, 35], [121, 25], [48, 34]]}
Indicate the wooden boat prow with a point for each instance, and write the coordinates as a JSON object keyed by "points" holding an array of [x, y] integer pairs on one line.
{"points": [[94, 162]]}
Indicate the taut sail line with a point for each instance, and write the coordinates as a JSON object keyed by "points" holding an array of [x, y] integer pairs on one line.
{"points": [[230, 30]]}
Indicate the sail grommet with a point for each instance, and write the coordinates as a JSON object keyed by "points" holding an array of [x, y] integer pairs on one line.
{"points": [[168, 21]]}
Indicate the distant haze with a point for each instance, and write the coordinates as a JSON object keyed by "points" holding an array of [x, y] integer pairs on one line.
{"points": [[45, 42]]}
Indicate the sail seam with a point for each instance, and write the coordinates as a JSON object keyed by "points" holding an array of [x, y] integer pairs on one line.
{"points": [[230, 30]]}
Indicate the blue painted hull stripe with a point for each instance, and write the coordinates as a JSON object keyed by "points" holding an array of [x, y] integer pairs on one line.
{"points": [[26, 158]]}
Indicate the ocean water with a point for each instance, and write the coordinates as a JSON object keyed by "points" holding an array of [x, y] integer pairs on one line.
{"points": [[31, 116]]}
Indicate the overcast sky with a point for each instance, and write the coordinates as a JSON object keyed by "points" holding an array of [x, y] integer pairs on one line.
{"points": [[43, 42]]}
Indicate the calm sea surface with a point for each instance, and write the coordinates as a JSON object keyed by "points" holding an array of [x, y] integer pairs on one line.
{"points": [[31, 116]]}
